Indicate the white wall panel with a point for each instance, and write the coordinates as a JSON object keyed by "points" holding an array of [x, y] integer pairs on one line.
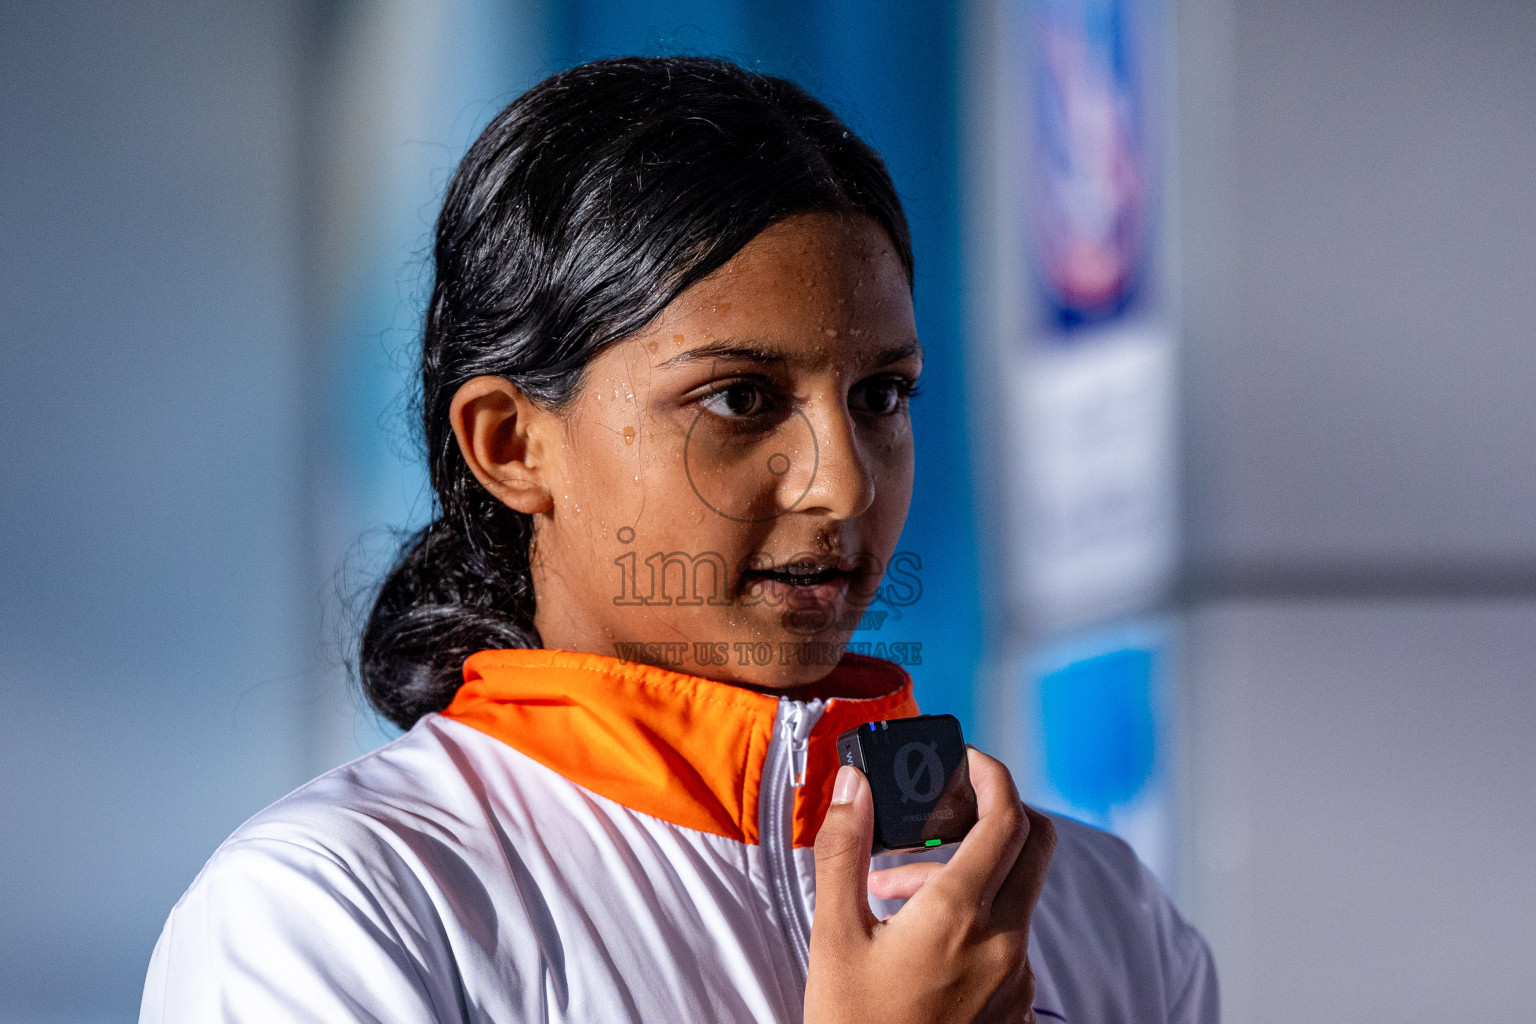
{"points": [[1358, 258], [1362, 779], [1359, 237]]}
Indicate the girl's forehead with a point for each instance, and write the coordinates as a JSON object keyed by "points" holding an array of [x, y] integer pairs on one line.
{"points": [[809, 252], [811, 288]]}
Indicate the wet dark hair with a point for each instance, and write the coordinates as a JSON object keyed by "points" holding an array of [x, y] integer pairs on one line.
{"points": [[581, 211]]}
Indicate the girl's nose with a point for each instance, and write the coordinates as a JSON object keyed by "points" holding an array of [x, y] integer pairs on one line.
{"points": [[843, 485]]}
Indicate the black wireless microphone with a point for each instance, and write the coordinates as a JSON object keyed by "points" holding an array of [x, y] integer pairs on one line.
{"points": [[921, 780]]}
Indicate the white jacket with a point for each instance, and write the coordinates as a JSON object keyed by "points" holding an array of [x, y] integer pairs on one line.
{"points": [[582, 839]]}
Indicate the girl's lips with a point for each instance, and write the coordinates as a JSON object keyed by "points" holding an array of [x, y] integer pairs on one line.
{"points": [[802, 584], [802, 574], [804, 609]]}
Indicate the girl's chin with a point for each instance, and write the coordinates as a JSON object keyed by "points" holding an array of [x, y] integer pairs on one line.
{"points": [[805, 604], [761, 652], [799, 681]]}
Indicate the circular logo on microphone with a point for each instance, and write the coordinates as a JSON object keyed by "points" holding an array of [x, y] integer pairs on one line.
{"points": [[919, 778]]}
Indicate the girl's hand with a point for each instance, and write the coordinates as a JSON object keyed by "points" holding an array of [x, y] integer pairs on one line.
{"points": [[957, 952]]}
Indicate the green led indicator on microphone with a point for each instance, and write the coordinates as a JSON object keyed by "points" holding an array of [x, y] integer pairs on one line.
{"points": [[933, 842]]}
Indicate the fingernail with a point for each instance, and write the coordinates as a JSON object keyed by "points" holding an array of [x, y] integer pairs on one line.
{"points": [[846, 785]]}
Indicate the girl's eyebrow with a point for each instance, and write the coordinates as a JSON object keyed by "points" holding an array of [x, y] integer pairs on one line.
{"points": [[730, 349], [896, 353]]}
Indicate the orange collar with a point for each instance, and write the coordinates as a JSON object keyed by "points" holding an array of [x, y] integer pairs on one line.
{"points": [[682, 748]]}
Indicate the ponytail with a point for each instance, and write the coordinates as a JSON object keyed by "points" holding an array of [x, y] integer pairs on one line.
{"points": [[448, 596]]}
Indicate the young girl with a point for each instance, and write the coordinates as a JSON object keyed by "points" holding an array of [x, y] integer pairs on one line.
{"points": [[665, 377]]}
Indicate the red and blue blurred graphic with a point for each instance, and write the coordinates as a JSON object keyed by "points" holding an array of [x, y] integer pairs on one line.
{"points": [[1091, 195]]}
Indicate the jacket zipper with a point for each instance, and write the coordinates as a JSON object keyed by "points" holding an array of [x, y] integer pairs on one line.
{"points": [[783, 773]]}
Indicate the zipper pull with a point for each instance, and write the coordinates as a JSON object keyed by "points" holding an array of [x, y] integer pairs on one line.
{"points": [[800, 721], [799, 754]]}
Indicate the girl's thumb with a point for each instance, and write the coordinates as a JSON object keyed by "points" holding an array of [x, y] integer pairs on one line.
{"points": [[842, 861]]}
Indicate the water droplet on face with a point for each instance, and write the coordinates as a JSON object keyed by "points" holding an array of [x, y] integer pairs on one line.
{"points": [[629, 435]]}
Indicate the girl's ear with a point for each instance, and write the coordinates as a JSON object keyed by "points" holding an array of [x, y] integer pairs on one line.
{"points": [[503, 436]]}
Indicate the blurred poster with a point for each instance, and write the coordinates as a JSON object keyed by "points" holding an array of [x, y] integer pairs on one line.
{"points": [[1090, 189], [1095, 394], [1091, 394]]}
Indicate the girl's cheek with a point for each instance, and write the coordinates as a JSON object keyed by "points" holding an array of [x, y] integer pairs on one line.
{"points": [[889, 443]]}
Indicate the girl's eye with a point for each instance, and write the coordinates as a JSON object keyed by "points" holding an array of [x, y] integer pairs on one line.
{"points": [[737, 400], [882, 396]]}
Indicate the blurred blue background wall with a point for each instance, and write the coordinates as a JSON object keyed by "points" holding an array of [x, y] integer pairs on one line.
{"points": [[156, 591], [211, 223]]}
